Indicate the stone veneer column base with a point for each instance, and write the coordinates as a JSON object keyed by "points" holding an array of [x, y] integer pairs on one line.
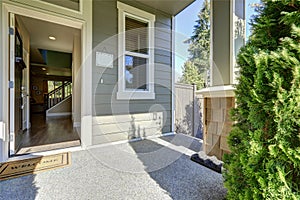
{"points": [[216, 119]]}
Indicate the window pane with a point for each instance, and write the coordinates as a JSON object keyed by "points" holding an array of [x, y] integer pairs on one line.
{"points": [[136, 36], [50, 86], [71, 4], [136, 73]]}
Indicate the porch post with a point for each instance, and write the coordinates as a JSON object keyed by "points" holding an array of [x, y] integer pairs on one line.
{"points": [[227, 36]]}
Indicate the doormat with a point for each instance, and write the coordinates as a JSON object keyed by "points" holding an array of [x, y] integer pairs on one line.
{"points": [[18, 168]]}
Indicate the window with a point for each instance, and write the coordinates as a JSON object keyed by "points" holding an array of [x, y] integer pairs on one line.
{"points": [[136, 53]]}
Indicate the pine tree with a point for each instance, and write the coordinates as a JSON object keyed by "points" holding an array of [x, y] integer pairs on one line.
{"points": [[199, 44], [191, 75], [200, 40], [265, 141]]}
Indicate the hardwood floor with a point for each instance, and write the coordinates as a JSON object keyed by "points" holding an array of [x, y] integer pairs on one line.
{"points": [[48, 134]]}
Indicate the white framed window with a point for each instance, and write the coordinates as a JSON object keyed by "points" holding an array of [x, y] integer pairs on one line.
{"points": [[135, 53]]}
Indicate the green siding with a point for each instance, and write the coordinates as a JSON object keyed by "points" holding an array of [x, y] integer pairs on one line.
{"points": [[105, 21]]}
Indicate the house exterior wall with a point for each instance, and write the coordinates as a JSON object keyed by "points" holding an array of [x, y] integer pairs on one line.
{"points": [[102, 114], [122, 114]]}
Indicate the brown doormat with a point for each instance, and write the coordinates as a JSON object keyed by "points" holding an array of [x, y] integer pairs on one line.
{"points": [[13, 169]]}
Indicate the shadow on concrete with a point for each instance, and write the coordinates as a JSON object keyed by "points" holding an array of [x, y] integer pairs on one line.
{"points": [[177, 174], [19, 188]]}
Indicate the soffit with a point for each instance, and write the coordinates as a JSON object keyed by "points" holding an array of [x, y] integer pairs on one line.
{"points": [[172, 7]]}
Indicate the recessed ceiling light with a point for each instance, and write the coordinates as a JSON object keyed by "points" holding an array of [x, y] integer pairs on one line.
{"points": [[47, 73], [44, 69], [51, 37]]}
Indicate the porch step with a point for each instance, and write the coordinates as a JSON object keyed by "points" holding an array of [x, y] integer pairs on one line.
{"points": [[48, 147]]}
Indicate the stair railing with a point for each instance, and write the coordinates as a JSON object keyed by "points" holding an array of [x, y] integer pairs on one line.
{"points": [[58, 95]]}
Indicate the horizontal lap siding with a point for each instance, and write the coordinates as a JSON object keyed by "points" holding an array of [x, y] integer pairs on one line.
{"points": [[105, 104]]}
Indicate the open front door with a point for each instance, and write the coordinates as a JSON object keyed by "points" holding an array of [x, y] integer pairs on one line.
{"points": [[16, 66]]}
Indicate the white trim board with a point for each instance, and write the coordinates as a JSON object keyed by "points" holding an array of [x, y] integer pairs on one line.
{"points": [[217, 91]]}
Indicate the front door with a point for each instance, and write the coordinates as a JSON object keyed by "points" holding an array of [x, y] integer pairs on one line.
{"points": [[19, 104]]}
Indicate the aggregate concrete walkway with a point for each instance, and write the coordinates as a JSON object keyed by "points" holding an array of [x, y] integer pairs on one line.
{"points": [[158, 168]]}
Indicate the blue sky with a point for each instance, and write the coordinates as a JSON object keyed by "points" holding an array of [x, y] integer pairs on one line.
{"points": [[184, 26], [249, 14]]}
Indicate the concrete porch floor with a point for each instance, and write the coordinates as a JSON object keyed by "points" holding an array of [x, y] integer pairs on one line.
{"points": [[157, 168]]}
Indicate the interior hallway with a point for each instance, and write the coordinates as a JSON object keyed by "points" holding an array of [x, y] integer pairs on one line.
{"points": [[48, 133]]}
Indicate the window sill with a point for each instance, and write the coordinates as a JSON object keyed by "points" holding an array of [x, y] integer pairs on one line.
{"points": [[128, 95]]}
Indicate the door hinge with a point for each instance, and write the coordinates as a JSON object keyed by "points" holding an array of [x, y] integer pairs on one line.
{"points": [[10, 84], [11, 137], [11, 31]]}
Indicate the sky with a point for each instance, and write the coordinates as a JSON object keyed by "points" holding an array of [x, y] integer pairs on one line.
{"points": [[249, 15], [184, 26]]}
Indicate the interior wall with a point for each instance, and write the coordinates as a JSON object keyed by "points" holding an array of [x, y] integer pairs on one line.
{"points": [[59, 59], [38, 88]]}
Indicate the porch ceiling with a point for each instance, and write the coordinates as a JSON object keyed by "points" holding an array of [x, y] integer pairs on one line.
{"points": [[172, 7]]}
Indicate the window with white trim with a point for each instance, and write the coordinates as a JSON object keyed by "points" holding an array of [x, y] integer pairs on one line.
{"points": [[136, 53]]}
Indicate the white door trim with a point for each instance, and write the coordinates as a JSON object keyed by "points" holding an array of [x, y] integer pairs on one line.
{"points": [[12, 138], [85, 25]]}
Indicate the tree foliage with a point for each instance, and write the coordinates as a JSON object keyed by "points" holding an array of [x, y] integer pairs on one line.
{"points": [[199, 47], [265, 141], [191, 75]]}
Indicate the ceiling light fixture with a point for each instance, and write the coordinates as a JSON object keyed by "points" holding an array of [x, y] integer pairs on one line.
{"points": [[51, 37], [47, 73], [44, 69]]}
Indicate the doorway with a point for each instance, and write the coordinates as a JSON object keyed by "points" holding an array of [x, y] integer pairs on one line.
{"points": [[51, 111]]}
